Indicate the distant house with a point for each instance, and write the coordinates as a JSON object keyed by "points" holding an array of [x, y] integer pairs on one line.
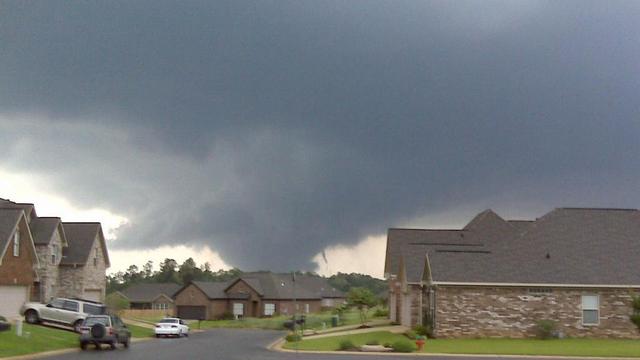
{"points": [[84, 262], [255, 295], [499, 278], [151, 296], [18, 261]]}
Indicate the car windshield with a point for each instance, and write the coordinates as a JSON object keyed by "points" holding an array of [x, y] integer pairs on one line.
{"points": [[169, 321], [96, 320]]}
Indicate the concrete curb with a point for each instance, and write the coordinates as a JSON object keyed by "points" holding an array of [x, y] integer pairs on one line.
{"points": [[277, 346]]}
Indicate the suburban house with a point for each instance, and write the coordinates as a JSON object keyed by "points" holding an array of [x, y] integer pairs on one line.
{"points": [[498, 278], [72, 257], [18, 261], [255, 295], [151, 296], [50, 241], [84, 262]]}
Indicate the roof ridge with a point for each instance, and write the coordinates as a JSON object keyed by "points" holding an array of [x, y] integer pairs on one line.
{"points": [[422, 229], [598, 208]]}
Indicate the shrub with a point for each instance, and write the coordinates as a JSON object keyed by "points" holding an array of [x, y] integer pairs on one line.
{"points": [[293, 338], [373, 342], [387, 345], [410, 334], [3, 319], [226, 316], [404, 346], [636, 320], [545, 329], [424, 330], [381, 312], [347, 345]]}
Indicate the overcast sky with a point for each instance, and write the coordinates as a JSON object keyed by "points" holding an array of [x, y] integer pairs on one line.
{"points": [[266, 132]]}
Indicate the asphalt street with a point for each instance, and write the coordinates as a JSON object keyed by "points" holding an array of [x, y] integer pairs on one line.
{"points": [[226, 344]]}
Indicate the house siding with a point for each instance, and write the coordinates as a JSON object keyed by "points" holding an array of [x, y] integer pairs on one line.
{"points": [[514, 312], [19, 270], [74, 281], [49, 272]]}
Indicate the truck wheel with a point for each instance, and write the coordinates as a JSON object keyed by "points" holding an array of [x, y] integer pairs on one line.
{"points": [[77, 325], [83, 345], [31, 316]]}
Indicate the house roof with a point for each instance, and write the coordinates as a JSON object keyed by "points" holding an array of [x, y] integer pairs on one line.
{"points": [[80, 237], [9, 218], [29, 209], [43, 228], [149, 292], [587, 246], [273, 286]]}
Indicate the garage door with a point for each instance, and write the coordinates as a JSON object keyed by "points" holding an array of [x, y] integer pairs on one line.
{"points": [[93, 295], [192, 312], [12, 299]]}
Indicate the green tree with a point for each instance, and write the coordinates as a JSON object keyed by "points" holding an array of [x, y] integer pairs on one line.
{"points": [[189, 271], [116, 302], [362, 299], [168, 272]]}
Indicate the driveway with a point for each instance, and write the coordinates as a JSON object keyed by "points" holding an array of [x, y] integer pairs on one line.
{"points": [[226, 344]]}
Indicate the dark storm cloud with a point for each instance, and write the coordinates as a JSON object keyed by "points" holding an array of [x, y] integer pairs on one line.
{"points": [[270, 130]]}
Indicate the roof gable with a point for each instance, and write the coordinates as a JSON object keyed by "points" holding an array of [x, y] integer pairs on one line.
{"points": [[10, 220], [44, 228], [81, 237]]}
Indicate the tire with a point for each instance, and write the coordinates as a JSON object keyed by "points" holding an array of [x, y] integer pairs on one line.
{"points": [[31, 317], [158, 336], [127, 343], [112, 345], [83, 346], [76, 326]]}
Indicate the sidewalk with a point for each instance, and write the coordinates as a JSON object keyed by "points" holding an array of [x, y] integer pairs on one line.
{"points": [[374, 324], [396, 329]]}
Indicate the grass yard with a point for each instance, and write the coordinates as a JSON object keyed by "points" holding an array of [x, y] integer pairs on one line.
{"points": [[139, 331], [564, 347], [314, 321], [40, 338]]}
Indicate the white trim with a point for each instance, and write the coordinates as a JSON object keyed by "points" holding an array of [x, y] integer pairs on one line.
{"points": [[454, 283]]}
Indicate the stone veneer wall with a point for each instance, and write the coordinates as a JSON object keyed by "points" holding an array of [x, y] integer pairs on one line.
{"points": [[48, 272], [74, 281], [514, 311]]}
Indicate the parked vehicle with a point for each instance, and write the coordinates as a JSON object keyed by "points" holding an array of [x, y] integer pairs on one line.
{"points": [[104, 329], [71, 312], [171, 327], [4, 324]]}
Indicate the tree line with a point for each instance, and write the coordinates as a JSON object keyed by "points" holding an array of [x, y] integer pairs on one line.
{"points": [[171, 272]]}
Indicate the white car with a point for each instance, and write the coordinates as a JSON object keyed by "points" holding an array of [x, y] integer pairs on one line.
{"points": [[171, 327]]}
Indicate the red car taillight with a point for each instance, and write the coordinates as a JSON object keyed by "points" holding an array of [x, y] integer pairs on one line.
{"points": [[110, 331]]}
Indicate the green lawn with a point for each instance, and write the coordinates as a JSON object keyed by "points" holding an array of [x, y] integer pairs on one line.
{"points": [[139, 331], [314, 321], [564, 347], [39, 339]]}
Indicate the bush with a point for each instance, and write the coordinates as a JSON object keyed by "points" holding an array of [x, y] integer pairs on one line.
{"points": [[381, 312], [546, 329], [373, 342], [410, 334], [347, 345], [424, 330], [404, 346], [226, 316], [636, 320], [387, 345], [293, 338]]}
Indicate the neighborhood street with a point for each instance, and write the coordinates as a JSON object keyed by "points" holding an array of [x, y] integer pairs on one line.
{"points": [[225, 344]]}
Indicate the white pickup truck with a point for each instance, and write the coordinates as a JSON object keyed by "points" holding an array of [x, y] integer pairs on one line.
{"points": [[70, 312]]}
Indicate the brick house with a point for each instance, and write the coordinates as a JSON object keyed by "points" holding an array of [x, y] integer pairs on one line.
{"points": [[498, 278], [84, 262], [50, 241], [255, 295], [18, 261], [151, 296]]}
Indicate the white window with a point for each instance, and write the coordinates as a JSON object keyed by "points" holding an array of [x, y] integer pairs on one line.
{"points": [[306, 308], [269, 309], [238, 309], [54, 253], [16, 244], [590, 310], [160, 306]]}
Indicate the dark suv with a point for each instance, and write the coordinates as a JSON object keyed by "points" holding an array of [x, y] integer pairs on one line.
{"points": [[104, 329]]}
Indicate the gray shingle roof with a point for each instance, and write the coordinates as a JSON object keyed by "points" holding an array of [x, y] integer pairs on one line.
{"points": [[274, 286], [149, 292], [80, 237], [565, 246], [42, 229], [8, 221], [28, 208]]}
